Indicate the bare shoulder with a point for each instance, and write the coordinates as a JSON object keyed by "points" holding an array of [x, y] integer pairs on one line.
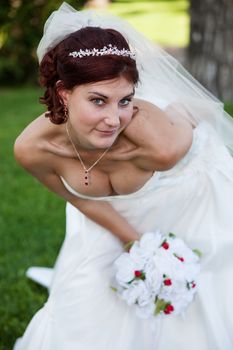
{"points": [[155, 133], [150, 118], [35, 152], [31, 143], [145, 114]]}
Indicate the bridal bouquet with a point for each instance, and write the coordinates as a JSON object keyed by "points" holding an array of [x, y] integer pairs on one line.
{"points": [[157, 275]]}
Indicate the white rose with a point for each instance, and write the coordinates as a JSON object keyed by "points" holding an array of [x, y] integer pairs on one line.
{"points": [[154, 277], [139, 255], [126, 266], [150, 242], [137, 292], [179, 296], [179, 248], [164, 262], [176, 288], [191, 271], [146, 295]]}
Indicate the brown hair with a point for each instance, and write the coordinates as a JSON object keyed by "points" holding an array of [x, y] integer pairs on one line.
{"points": [[58, 69]]}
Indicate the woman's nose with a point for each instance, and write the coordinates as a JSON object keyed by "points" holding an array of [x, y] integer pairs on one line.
{"points": [[113, 117]]}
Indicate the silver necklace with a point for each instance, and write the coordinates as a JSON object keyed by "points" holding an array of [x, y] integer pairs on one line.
{"points": [[87, 177]]}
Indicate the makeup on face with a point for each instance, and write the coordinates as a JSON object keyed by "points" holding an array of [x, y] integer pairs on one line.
{"points": [[100, 111]]}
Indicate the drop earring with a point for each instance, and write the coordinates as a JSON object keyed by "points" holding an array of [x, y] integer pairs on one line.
{"points": [[66, 113]]}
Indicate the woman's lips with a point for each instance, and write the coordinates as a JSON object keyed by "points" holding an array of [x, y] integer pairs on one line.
{"points": [[107, 132]]}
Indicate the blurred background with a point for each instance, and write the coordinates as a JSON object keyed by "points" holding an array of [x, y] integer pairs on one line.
{"points": [[199, 33]]}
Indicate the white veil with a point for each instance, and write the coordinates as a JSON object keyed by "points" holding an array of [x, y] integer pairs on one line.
{"points": [[163, 80]]}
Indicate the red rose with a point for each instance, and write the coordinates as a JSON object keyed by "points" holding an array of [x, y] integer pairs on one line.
{"points": [[137, 273], [168, 309], [165, 245], [167, 282]]}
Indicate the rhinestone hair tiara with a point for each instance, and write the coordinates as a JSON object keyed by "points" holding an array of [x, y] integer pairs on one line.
{"points": [[106, 50]]}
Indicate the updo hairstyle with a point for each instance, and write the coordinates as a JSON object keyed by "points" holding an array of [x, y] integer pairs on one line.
{"points": [[59, 70]]}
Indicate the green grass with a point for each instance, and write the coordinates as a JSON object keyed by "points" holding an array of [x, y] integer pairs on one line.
{"points": [[229, 108], [164, 22], [32, 220]]}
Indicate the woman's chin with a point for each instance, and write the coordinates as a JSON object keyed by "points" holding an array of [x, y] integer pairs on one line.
{"points": [[105, 141], [106, 144]]}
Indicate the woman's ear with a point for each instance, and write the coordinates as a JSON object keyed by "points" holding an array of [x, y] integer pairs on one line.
{"points": [[62, 92], [135, 110]]}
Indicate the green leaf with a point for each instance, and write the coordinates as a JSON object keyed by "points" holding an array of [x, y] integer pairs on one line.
{"points": [[113, 288], [198, 252], [142, 277], [172, 235], [128, 245], [160, 306]]}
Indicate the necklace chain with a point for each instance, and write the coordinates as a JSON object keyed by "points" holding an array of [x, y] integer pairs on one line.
{"points": [[86, 170]]}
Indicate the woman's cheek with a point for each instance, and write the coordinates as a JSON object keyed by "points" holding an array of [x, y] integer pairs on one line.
{"points": [[128, 116]]}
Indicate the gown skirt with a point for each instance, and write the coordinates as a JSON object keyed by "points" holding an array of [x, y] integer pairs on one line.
{"points": [[194, 200]]}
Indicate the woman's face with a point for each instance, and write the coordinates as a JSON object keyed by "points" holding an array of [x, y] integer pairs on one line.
{"points": [[99, 111]]}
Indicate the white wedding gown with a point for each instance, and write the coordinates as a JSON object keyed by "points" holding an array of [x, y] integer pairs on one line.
{"points": [[194, 200]]}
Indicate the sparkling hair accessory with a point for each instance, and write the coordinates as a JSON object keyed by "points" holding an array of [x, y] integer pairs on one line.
{"points": [[106, 50]]}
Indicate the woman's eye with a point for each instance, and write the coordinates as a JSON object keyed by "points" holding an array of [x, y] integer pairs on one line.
{"points": [[98, 101], [125, 101]]}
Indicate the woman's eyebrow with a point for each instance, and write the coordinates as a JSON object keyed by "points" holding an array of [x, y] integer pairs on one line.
{"points": [[97, 93], [106, 97]]}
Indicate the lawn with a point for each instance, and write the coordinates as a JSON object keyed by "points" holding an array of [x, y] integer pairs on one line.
{"points": [[164, 22], [31, 221]]}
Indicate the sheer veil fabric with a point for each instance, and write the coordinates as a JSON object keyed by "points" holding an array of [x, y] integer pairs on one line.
{"points": [[163, 80]]}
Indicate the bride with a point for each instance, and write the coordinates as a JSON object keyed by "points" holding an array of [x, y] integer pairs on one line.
{"points": [[132, 143]]}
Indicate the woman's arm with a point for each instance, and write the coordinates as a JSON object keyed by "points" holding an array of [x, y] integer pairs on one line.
{"points": [[162, 141], [105, 215], [100, 212]]}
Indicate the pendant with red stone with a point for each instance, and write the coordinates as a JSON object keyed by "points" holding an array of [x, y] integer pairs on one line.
{"points": [[87, 178]]}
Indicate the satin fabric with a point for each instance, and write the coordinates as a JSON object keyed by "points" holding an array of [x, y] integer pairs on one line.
{"points": [[194, 200]]}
